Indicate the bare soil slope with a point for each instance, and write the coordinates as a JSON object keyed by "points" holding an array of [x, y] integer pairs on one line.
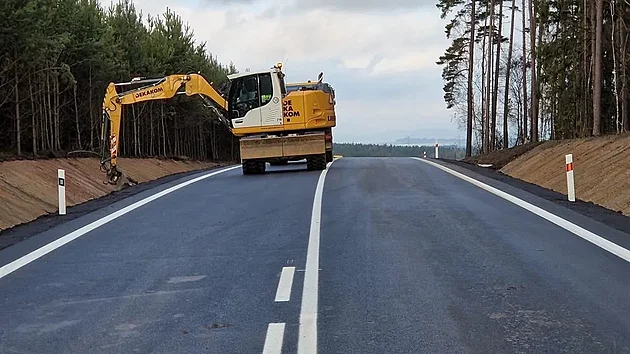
{"points": [[601, 165], [500, 158], [28, 189]]}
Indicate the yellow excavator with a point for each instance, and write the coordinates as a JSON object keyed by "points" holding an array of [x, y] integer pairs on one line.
{"points": [[274, 125]]}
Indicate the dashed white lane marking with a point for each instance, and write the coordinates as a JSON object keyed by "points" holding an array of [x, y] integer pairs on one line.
{"points": [[307, 340], [274, 339], [42, 251], [565, 224], [285, 284]]}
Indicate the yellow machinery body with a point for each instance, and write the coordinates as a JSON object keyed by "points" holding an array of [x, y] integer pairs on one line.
{"points": [[302, 116]]}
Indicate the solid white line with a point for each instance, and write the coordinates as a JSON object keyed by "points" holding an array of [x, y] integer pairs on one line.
{"points": [[273, 341], [307, 340], [284, 285], [567, 225], [24, 260]]}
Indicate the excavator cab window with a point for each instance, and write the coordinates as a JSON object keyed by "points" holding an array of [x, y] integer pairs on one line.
{"points": [[266, 88], [244, 96]]}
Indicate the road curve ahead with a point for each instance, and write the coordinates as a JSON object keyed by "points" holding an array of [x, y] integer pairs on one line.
{"points": [[375, 255]]}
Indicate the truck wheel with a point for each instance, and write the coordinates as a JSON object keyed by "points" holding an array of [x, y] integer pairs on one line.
{"points": [[253, 167], [329, 156], [316, 163]]}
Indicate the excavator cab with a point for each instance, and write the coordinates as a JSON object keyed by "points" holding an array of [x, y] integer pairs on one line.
{"points": [[255, 99]]}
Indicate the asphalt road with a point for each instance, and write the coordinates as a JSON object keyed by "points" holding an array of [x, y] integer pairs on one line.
{"points": [[411, 260]]}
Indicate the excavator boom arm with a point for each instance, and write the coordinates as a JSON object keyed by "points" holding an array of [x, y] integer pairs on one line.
{"points": [[156, 89]]}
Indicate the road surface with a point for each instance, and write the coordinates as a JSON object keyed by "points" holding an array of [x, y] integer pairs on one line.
{"points": [[382, 255]]}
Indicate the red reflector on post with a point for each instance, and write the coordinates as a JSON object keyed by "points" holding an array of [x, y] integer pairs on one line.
{"points": [[569, 166]]}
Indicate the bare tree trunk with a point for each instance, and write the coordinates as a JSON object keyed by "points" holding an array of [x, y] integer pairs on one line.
{"points": [[519, 124], [623, 37], [496, 79], [615, 68], [584, 74], [508, 69], [18, 125], [597, 72], [91, 108], [484, 94], [489, 82], [43, 117], [539, 97], [534, 89], [176, 138], [50, 113], [33, 115], [163, 132], [135, 131], [471, 95], [589, 123], [76, 118], [57, 116], [151, 132], [525, 106]]}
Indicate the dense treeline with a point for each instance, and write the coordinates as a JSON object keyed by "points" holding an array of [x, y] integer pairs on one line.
{"points": [[526, 70], [387, 150], [57, 57]]}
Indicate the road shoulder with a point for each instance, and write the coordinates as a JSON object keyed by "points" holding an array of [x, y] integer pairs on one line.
{"points": [[608, 224], [51, 226]]}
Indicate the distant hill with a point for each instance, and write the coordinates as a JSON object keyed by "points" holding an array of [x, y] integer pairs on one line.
{"points": [[392, 150], [427, 141]]}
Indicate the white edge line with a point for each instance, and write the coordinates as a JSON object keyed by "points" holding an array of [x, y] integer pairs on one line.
{"points": [[274, 338], [285, 284], [565, 224], [307, 340], [42, 251]]}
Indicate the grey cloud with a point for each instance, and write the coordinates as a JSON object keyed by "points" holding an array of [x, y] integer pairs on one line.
{"points": [[365, 5], [343, 5], [423, 85], [229, 2], [268, 13]]}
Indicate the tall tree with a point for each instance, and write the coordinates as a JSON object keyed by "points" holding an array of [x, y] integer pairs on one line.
{"points": [[497, 63], [597, 72], [508, 70], [489, 95], [470, 93], [534, 82]]}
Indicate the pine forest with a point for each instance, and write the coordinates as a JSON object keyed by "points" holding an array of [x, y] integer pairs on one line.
{"points": [[58, 56], [520, 71]]}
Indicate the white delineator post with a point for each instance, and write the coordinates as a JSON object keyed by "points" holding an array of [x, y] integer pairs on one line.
{"points": [[61, 182], [570, 178], [437, 152], [424, 154]]}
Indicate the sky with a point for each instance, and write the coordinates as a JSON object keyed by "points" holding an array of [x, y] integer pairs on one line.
{"points": [[378, 55]]}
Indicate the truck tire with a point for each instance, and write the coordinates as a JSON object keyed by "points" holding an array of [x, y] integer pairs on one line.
{"points": [[253, 167], [329, 156], [316, 163]]}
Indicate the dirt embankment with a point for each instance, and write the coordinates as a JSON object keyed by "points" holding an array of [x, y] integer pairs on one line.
{"points": [[497, 159], [28, 189], [601, 165]]}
